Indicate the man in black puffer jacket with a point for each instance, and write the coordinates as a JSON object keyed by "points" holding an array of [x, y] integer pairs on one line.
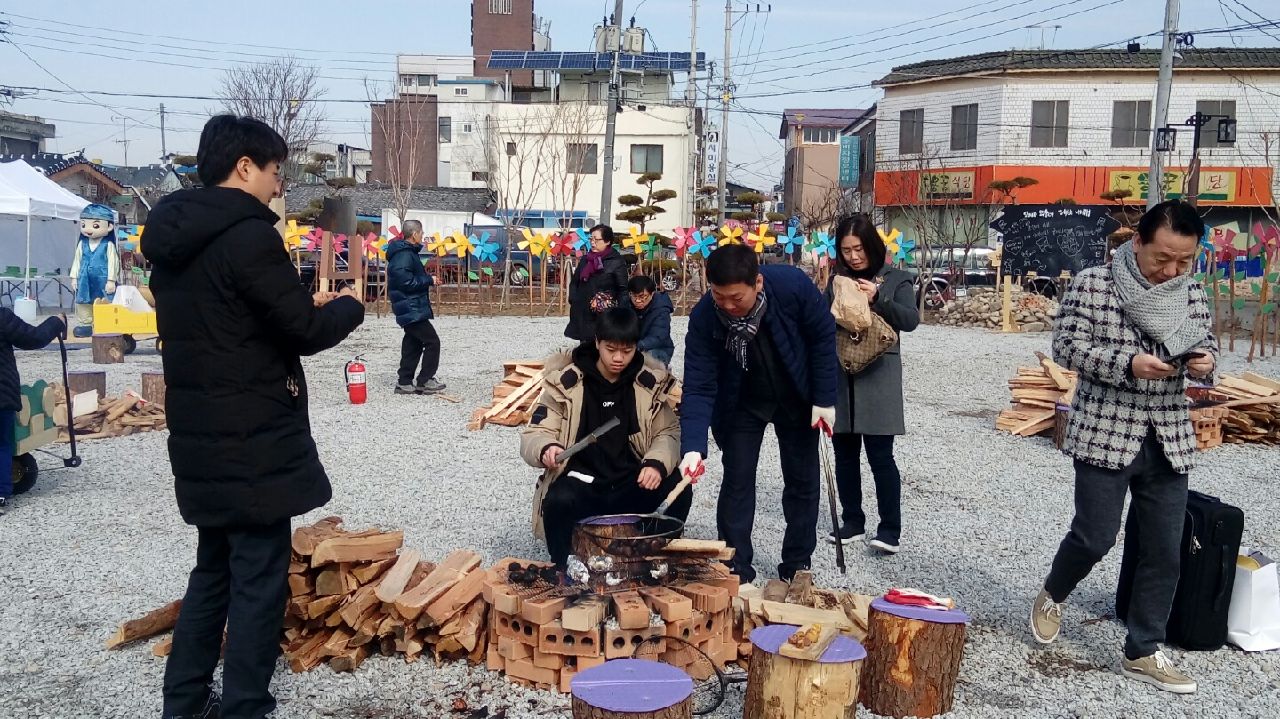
{"points": [[409, 287], [234, 321], [15, 332]]}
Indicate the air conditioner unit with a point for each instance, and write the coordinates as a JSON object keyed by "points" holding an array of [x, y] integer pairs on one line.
{"points": [[633, 41]]}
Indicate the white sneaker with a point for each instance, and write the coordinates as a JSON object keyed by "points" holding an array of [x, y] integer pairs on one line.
{"points": [[1158, 671]]}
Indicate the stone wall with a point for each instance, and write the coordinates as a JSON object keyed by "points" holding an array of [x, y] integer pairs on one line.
{"points": [[981, 308]]}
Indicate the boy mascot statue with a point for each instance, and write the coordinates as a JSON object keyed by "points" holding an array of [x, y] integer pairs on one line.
{"points": [[95, 268]]}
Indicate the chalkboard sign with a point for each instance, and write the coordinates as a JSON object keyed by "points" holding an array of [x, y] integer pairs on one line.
{"points": [[1047, 239]]}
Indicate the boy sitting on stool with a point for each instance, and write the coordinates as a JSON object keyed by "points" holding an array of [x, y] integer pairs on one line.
{"points": [[632, 467]]}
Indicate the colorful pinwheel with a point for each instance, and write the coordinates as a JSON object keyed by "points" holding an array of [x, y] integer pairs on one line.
{"points": [[339, 242], [537, 245], [823, 246], [891, 239], [486, 249], [314, 238], [703, 243], [634, 239], [373, 247], [293, 234], [649, 248], [683, 240], [583, 243], [761, 239], [441, 246], [1266, 241], [393, 233], [562, 244], [732, 234], [792, 242], [1224, 243], [464, 245], [903, 253]]}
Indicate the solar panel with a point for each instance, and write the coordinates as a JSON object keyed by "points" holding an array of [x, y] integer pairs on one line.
{"points": [[556, 60]]}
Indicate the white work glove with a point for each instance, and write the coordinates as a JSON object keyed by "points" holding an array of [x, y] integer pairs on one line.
{"points": [[111, 287], [823, 418], [692, 466], [74, 286]]}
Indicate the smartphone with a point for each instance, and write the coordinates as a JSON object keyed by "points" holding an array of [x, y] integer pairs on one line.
{"points": [[1186, 357]]}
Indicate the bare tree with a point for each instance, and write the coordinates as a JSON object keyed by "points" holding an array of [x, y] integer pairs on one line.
{"points": [[284, 93], [400, 131]]}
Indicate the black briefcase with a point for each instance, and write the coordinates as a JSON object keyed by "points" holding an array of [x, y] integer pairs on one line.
{"points": [[1211, 535]]}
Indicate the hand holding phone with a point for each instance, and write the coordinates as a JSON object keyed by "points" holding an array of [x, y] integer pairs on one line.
{"points": [[1186, 357]]}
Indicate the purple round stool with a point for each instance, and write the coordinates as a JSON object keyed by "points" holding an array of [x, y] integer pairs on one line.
{"points": [[632, 689]]}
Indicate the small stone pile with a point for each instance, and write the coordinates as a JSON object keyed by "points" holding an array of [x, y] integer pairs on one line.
{"points": [[981, 308]]}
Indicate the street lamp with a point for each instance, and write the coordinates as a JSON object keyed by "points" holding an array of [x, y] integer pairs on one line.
{"points": [[1166, 138]]}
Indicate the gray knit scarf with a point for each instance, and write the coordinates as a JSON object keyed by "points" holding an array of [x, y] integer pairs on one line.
{"points": [[1161, 312], [742, 330]]}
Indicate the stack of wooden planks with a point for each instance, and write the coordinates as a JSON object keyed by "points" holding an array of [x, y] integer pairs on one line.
{"points": [[513, 397], [542, 637], [799, 603], [1037, 392], [1259, 419], [355, 593], [114, 416]]}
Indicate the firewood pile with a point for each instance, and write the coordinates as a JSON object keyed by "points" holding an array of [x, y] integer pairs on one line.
{"points": [[114, 416], [802, 604], [513, 397], [1037, 392], [1258, 422]]}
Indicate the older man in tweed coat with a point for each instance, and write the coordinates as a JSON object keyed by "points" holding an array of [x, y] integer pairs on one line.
{"points": [[1133, 330]]}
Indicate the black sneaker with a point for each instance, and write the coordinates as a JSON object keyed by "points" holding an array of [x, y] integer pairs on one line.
{"points": [[848, 535], [431, 386], [4, 504], [212, 709], [883, 544], [406, 389]]}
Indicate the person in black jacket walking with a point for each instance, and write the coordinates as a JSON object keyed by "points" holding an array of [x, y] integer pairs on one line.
{"points": [[409, 286], [15, 332], [600, 282], [654, 310], [234, 321]]}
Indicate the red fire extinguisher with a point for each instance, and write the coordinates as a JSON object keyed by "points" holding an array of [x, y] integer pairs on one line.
{"points": [[356, 389]]}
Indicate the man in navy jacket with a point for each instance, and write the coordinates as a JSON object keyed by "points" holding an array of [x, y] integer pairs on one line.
{"points": [[760, 350], [409, 288]]}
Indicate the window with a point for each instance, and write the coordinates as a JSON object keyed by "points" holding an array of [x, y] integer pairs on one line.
{"points": [[408, 80], [479, 177], [964, 127], [426, 80], [819, 134], [582, 158], [646, 158], [459, 91], [1131, 123], [91, 192], [911, 131], [467, 128], [1049, 123], [511, 149], [446, 129], [499, 7], [1209, 133]]}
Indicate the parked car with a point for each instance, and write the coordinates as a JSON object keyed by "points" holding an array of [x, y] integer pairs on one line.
{"points": [[942, 273]]}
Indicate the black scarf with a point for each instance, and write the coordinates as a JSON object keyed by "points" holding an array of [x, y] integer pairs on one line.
{"points": [[742, 330]]}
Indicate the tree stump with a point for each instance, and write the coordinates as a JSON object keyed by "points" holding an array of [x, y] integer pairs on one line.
{"points": [[153, 388], [632, 689], [913, 659], [80, 381], [108, 349], [779, 687]]}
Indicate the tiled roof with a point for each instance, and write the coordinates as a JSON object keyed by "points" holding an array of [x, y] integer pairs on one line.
{"points": [[1027, 60], [51, 163], [372, 198], [818, 117]]}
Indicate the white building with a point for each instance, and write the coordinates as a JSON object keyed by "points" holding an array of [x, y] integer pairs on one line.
{"points": [[1079, 123], [348, 160]]}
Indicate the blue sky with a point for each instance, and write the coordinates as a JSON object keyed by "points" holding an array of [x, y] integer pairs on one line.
{"points": [[802, 54]]}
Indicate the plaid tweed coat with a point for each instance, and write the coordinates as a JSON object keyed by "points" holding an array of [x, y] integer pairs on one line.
{"points": [[1113, 410]]}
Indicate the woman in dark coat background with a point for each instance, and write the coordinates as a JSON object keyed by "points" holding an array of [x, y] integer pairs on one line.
{"points": [[600, 282], [869, 404]]}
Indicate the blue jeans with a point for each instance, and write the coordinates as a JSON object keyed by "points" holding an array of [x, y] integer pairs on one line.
{"points": [[7, 446]]}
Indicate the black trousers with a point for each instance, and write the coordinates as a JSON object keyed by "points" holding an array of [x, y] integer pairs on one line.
{"points": [[570, 500], [240, 582], [884, 470], [740, 439], [420, 343], [1160, 503]]}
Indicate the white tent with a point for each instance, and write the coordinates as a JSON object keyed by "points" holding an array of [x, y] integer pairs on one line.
{"points": [[39, 221]]}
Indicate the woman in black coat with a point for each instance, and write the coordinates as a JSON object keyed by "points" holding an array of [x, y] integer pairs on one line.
{"points": [[600, 282], [869, 408]]}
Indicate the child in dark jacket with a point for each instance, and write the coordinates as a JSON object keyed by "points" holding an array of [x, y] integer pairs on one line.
{"points": [[654, 310], [16, 333]]}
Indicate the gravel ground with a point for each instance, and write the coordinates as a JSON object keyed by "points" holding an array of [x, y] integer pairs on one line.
{"points": [[983, 513]]}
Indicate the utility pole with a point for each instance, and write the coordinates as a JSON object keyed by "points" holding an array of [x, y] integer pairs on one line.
{"points": [[725, 95], [1160, 118], [125, 141], [611, 121], [163, 150], [691, 97]]}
